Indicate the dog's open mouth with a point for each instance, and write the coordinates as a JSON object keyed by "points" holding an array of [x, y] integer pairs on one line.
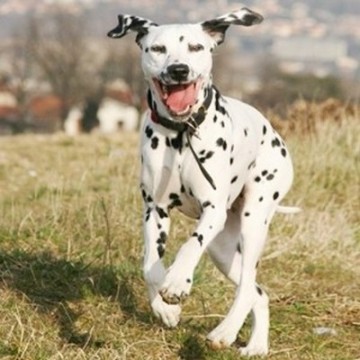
{"points": [[178, 98]]}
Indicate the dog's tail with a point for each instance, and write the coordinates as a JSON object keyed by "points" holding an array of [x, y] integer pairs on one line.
{"points": [[288, 209]]}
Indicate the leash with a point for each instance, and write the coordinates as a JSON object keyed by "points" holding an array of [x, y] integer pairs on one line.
{"points": [[189, 127], [201, 166]]}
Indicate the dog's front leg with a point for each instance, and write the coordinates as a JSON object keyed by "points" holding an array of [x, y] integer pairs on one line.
{"points": [[156, 227], [178, 281]]}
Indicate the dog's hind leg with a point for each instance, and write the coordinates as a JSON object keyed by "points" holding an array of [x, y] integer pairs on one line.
{"points": [[225, 251], [267, 184]]}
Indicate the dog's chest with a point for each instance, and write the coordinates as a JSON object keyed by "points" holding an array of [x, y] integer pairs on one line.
{"points": [[226, 148], [170, 168]]}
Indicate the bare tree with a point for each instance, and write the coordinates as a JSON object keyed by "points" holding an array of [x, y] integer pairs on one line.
{"points": [[59, 47], [123, 61], [22, 69]]}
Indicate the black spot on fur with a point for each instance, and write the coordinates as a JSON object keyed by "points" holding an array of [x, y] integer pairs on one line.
{"points": [[147, 214], [199, 237], [161, 251], [283, 152], [261, 198], [154, 142], [215, 118], [247, 214], [233, 179], [147, 198], [218, 105], [208, 155], [275, 142], [264, 173], [149, 131], [175, 200], [182, 189], [276, 195], [270, 177], [257, 179], [238, 248], [167, 142], [173, 196], [231, 161], [251, 165], [162, 213], [246, 132], [163, 237], [176, 143], [222, 143], [264, 130], [259, 290], [188, 281], [206, 204], [181, 38]]}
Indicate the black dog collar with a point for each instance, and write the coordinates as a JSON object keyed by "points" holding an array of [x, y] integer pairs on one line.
{"points": [[194, 121]]}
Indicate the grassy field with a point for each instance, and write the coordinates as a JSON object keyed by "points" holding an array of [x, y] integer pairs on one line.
{"points": [[71, 251]]}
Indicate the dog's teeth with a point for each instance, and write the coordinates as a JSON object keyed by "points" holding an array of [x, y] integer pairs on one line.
{"points": [[164, 90]]}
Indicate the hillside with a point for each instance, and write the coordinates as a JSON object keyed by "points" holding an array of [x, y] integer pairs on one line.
{"points": [[71, 252]]}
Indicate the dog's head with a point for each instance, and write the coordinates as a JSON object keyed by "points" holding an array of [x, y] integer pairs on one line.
{"points": [[177, 60]]}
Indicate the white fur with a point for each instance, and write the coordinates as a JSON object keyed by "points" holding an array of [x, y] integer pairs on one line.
{"points": [[245, 157]]}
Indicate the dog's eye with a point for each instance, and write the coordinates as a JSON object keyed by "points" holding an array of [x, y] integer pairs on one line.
{"points": [[161, 49], [195, 47]]}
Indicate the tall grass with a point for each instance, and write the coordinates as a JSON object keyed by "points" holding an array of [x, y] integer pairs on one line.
{"points": [[71, 251]]}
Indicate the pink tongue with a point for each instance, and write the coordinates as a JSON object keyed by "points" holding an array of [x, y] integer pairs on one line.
{"points": [[180, 97]]}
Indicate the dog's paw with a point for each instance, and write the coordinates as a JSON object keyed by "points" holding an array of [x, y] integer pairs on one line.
{"points": [[254, 350], [169, 314], [222, 336], [175, 287]]}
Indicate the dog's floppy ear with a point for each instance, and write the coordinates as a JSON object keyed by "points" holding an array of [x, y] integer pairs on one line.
{"points": [[131, 23], [218, 26]]}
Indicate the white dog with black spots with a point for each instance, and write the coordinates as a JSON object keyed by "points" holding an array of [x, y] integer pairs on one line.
{"points": [[215, 159]]}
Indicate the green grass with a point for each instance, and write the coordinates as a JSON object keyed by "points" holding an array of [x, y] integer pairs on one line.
{"points": [[71, 252]]}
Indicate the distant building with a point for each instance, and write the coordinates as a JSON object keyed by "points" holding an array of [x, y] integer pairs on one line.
{"points": [[309, 49]]}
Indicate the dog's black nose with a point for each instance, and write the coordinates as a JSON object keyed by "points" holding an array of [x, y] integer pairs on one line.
{"points": [[178, 72]]}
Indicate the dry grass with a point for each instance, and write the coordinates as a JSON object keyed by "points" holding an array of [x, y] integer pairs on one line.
{"points": [[70, 255]]}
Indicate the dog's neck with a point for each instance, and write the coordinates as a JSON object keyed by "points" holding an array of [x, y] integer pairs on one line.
{"points": [[191, 122], [188, 127]]}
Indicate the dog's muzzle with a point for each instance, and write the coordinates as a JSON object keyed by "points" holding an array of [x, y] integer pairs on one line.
{"points": [[177, 92]]}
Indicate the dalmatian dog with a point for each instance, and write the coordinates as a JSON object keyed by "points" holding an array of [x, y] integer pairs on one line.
{"points": [[214, 158]]}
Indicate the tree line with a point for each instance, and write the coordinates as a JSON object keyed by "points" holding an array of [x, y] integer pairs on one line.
{"points": [[57, 51]]}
